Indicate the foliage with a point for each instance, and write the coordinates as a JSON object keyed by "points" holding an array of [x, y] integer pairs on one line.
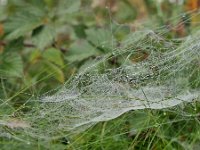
{"points": [[43, 43]]}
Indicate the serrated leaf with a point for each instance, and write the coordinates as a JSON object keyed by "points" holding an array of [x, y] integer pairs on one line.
{"points": [[80, 50], [43, 36], [130, 14], [54, 55], [68, 6], [40, 4], [21, 24], [11, 65], [35, 7], [101, 38], [54, 70]]}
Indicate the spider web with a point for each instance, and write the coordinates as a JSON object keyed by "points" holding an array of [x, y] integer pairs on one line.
{"points": [[99, 93], [158, 78]]}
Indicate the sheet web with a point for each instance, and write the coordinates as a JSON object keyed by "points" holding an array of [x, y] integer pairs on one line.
{"points": [[158, 78], [100, 94]]}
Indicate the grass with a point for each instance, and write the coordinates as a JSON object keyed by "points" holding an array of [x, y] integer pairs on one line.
{"points": [[144, 129], [176, 128]]}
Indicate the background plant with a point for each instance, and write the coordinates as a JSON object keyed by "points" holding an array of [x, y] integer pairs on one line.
{"points": [[44, 43]]}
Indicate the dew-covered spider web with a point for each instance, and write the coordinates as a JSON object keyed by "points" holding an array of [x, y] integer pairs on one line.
{"points": [[155, 73]]}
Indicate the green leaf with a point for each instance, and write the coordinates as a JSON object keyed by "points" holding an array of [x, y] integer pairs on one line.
{"points": [[15, 45], [54, 70], [101, 38], [125, 16], [21, 24], [11, 65], [35, 56], [68, 6], [80, 50], [43, 36], [54, 55], [80, 30], [40, 4]]}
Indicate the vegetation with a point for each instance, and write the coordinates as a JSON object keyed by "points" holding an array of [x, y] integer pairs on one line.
{"points": [[67, 58]]}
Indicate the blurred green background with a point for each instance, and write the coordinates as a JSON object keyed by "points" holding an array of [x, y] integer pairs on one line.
{"points": [[48, 40], [45, 42]]}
